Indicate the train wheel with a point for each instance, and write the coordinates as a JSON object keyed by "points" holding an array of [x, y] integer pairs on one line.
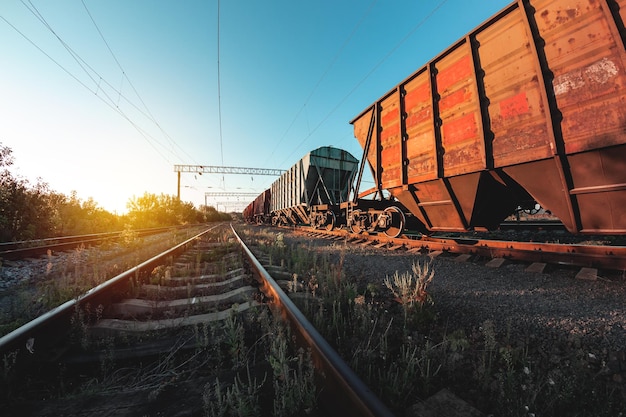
{"points": [[397, 222], [354, 224], [330, 221]]}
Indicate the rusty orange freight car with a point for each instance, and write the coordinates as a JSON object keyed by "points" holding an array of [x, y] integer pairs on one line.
{"points": [[530, 106]]}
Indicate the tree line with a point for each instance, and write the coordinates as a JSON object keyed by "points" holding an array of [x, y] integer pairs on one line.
{"points": [[34, 211]]}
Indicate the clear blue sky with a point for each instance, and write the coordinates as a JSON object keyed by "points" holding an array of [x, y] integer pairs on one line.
{"points": [[111, 124]]}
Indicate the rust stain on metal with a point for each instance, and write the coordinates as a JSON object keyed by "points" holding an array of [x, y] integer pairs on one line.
{"points": [[418, 95], [592, 76], [391, 116]]}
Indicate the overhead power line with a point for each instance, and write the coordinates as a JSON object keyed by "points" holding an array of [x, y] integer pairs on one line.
{"points": [[332, 62], [148, 113], [372, 71], [109, 103], [98, 82]]}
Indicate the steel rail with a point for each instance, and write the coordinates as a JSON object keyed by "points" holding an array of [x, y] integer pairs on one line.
{"points": [[593, 256], [347, 394], [596, 256], [37, 247], [66, 244], [52, 326]]}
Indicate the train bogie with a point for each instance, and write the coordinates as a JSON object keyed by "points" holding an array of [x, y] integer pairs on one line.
{"points": [[378, 216], [530, 106], [324, 217]]}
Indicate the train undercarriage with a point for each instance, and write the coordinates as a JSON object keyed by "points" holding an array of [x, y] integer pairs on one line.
{"points": [[363, 216]]}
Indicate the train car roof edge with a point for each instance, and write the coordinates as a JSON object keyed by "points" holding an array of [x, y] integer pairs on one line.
{"points": [[446, 51]]}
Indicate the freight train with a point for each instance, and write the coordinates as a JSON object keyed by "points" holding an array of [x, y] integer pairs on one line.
{"points": [[530, 107], [316, 191], [307, 193]]}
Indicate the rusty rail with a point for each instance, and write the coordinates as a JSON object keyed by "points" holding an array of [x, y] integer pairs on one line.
{"points": [[38, 247], [345, 393], [593, 256], [603, 257]]}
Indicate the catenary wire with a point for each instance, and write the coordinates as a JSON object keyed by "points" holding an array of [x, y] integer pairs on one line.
{"points": [[125, 76], [108, 103], [372, 71], [84, 65], [326, 71]]}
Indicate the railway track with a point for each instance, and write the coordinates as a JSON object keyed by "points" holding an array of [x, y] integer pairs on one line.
{"points": [[189, 320], [590, 258], [39, 247], [130, 348]]}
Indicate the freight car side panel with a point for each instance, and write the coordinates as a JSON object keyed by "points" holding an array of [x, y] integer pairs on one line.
{"points": [[517, 109], [586, 56], [459, 110], [421, 147], [390, 141], [322, 176], [585, 52]]}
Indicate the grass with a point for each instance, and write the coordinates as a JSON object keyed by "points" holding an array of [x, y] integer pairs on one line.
{"points": [[288, 373], [409, 288], [239, 399]]}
